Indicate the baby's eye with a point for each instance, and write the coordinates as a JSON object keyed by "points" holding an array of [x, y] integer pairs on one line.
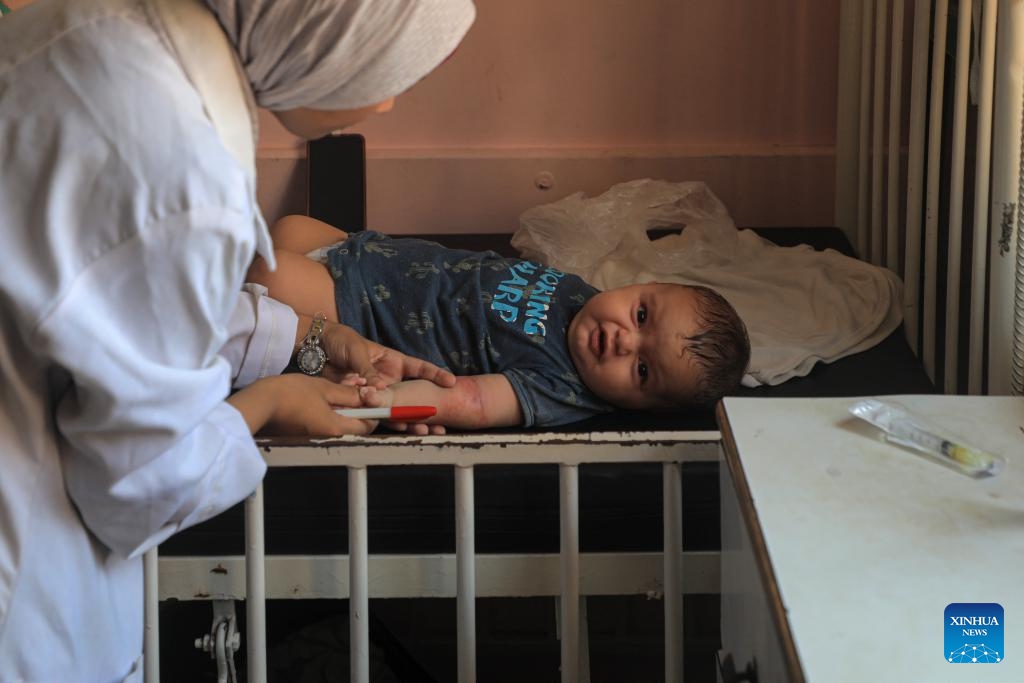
{"points": [[641, 370], [641, 315]]}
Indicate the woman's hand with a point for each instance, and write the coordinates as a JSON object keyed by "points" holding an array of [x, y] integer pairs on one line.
{"points": [[351, 353], [294, 404]]}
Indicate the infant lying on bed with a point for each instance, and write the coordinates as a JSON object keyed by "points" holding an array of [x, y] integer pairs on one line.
{"points": [[531, 346]]}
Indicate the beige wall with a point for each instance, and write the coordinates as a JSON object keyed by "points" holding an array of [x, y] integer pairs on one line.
{"points": [[738, 93]]}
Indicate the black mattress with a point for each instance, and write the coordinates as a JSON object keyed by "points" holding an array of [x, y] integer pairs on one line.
{"points": [[411, 508]]}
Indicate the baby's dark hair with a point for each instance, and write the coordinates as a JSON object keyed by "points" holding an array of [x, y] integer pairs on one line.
{"points": [[721, 349]]}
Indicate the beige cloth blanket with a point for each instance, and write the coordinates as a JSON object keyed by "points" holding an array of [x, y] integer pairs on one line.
{"points": [[801, 306]]}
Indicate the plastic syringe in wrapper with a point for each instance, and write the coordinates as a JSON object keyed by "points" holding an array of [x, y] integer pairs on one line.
{"points": [[903, 427]]}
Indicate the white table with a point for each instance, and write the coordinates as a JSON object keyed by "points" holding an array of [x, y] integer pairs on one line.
{"points": [[840, 551]]}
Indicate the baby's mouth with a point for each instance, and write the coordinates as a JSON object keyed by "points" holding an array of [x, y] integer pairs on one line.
{"points": [[597, 342]]}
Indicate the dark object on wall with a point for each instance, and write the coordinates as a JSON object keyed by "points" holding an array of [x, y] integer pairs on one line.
{"points": [[337, 181]]}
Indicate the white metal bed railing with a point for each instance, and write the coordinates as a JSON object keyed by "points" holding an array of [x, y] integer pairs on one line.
{"points": [[988, 66], [569, 575]]}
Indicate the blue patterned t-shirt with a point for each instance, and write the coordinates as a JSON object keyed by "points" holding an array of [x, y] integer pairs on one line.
{"points": [[471, 312]]}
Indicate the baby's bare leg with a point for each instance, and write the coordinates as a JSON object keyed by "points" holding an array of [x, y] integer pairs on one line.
{"points": [[302, 234], [303, 284]]}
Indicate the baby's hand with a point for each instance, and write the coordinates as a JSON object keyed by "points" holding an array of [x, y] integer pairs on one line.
{"points": [[372, 397], [352, 379], [416, 428]]}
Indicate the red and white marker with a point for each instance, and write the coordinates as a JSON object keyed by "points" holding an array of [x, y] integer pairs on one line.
{"points": [[394, 413]]}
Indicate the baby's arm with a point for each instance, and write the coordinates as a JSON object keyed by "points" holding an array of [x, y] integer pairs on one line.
{"points": [[475, 402]]}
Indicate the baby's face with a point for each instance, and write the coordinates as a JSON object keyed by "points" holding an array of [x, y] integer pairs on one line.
{"points": [[628, 345]]}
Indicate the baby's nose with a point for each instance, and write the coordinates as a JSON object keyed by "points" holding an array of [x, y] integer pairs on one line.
{"points": [[625, 342]]}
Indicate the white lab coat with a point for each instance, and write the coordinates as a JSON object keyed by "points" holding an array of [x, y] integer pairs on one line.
{"points": [[126, 232]]}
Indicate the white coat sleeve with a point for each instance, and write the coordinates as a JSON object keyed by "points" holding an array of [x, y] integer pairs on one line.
{"points": [[150, 445], [261, 336]]}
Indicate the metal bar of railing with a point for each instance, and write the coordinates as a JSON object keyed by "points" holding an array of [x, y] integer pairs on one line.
{"points": [[956, 197], [498, 575], [584, 641], [983, 146], [672, 547], [892, 225], [877, 127], [256, 589], [358, 601], [569, 499], [465, 553], [472, 449], [915, 174], [151, 643]]}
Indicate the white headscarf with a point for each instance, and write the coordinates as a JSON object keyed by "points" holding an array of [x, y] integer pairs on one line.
{"points": [[340, 54]]}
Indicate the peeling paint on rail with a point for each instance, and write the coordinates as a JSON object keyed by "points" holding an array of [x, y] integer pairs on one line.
{"points": [[467, 450]]}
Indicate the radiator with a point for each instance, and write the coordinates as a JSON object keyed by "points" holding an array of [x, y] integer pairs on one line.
{"points": [[928, 177]]}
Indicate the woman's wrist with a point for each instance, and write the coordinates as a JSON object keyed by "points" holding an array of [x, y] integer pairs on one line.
{"points": [[257, 402], [312, 356], [301, 330]]}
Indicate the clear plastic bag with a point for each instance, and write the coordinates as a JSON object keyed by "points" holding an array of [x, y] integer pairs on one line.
{"points": [[578, 233]]}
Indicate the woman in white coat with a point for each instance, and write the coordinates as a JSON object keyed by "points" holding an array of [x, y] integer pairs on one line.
{"points": [[128, 219]]}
